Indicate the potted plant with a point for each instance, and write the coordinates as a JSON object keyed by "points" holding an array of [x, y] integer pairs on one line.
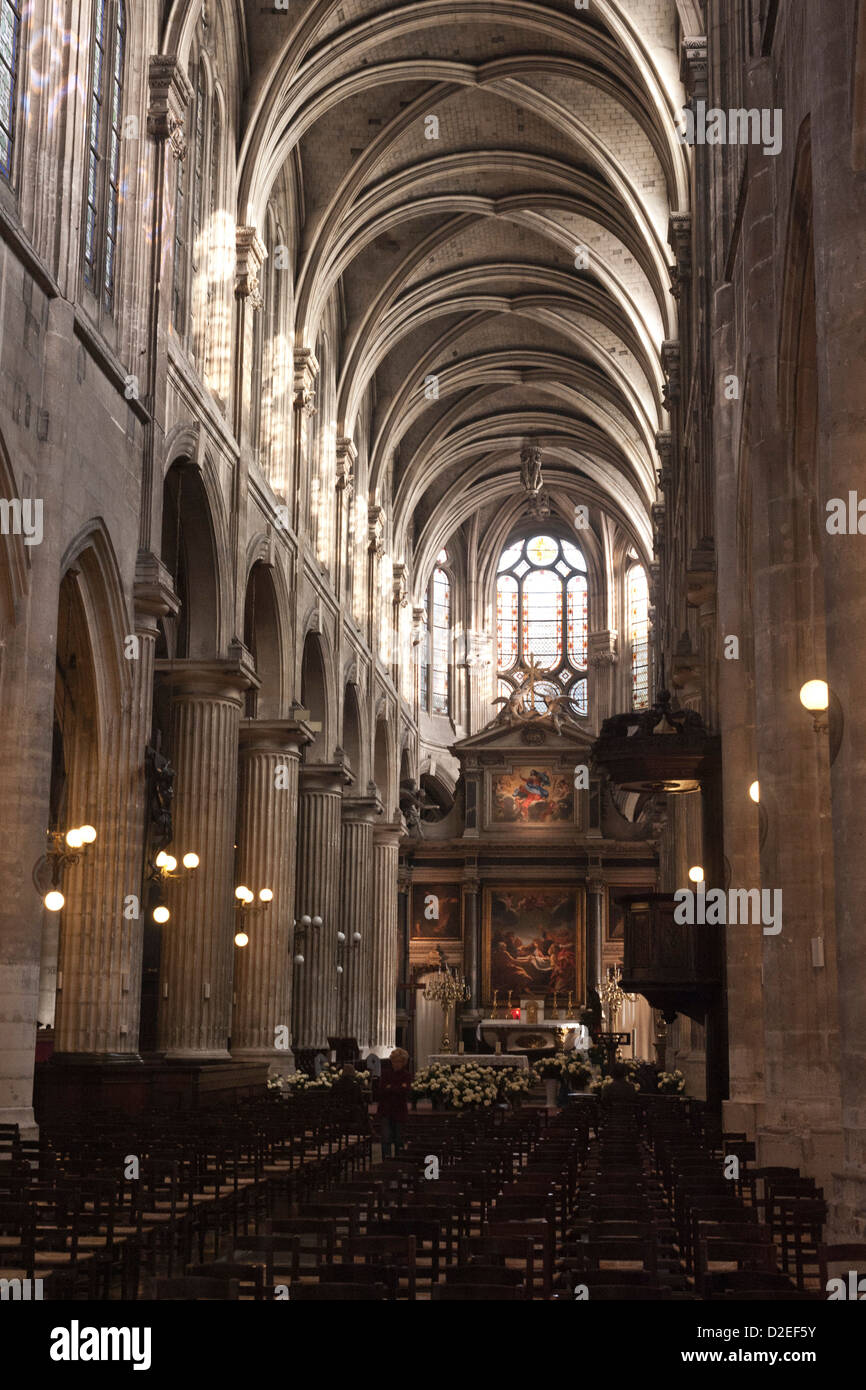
{"points": [[671, 1083]]}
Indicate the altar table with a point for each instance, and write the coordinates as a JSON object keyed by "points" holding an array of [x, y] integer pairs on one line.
{"points": [[481, 1059]]}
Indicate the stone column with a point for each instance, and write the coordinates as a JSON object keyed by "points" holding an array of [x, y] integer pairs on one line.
{"points": [[601, 677], [306, 373], [356, 866], [99, 962], [383, 973], [317, 895], [839, 209], [595, 895], [197, 946], [471, 889], [266, 844]]}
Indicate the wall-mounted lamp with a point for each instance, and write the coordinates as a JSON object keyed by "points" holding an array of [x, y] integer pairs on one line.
{"points": [[301, 927], [826, 711], [164, 867], [63, 848], [696, 874], [755, 792]]}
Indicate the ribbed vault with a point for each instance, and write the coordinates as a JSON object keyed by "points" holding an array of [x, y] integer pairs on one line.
{"points": [[486, 193]]}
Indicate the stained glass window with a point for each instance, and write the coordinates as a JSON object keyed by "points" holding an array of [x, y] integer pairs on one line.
{"points": [[541, 612], [506, 619], [441, 634], [542, 617], [638, 621], [10, 34], [104, 121]]}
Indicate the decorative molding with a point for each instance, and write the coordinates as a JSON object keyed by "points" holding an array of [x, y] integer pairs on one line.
{"points": [[400, 586], [251, 256], [347, 457], [671, 368], [664, 449], [680, 241], [170, 95], [305, 377], [694, 67], [376, 531]]}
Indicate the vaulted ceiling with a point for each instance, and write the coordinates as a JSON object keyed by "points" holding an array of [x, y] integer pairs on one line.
{"points": [[488, 187]]}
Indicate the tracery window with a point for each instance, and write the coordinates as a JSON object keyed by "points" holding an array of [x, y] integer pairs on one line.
{"points": [[638, 629], [10, 39], [541, 613], [435, 675], [102, 202]]}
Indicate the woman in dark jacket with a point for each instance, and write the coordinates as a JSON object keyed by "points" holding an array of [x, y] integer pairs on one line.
{"points": [[394, 1086]]}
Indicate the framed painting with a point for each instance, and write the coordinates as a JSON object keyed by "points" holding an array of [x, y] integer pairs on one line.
{"points": [[533, 941], [615, 918], [531, 796], [435, 912]]}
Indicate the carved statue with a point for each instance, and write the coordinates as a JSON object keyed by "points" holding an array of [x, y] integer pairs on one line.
{"points": [[530, 469]]}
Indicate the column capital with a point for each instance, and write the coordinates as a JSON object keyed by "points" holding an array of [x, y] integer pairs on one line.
{"points": [[305, 377], [671, 366], [283, 736], [602, 648], [153, 590], [347, 456], [694, 66], [251, 254], [328, 778], [227, 679], [400, 572], [362, 808], [389, 834], [376, 530], [170, 95], [471, 885], [596, 885]]}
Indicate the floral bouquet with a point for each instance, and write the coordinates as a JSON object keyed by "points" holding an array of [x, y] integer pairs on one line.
{"points": [[473, 1085], [515, 1085], [671, 1083], [576, 1073], [598, 1086], [549, 1068]]}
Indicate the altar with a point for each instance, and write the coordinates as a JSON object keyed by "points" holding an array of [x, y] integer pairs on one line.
{"points": [[480, 1059], [564, 1035]]}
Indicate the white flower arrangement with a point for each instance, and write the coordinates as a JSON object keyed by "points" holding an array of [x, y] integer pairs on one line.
{"points": [[671, 1083]]}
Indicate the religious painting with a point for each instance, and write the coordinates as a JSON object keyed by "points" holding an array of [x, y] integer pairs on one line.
{"points": [[533, 941], [435, 911], [532, 796]]}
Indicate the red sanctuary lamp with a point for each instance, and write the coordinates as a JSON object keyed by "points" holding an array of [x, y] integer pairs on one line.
{"points": [[515, 1013]]}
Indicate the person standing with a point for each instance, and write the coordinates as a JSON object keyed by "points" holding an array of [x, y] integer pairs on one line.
{"points": [[394, 1086]]}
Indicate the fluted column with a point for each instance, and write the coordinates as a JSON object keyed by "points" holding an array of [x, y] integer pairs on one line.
{"points": [[317, 895], [383, 972], [595, 891], [266, 858], [356, 867], [99, 964], [197, 942], [471, 889]]}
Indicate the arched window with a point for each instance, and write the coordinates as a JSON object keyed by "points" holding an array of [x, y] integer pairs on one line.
{"points": [[541, 613], [10, 39], [435, 688], [638, 632], [103, 148]]}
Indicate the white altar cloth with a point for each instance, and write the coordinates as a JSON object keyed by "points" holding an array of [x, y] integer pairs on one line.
{"points": [[481, 1059]]}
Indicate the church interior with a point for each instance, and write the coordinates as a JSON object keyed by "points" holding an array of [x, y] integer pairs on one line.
{"points": [[430, 570]]}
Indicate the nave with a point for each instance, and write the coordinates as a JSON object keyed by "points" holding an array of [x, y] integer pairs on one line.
{"points": [[291, 1200]]}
